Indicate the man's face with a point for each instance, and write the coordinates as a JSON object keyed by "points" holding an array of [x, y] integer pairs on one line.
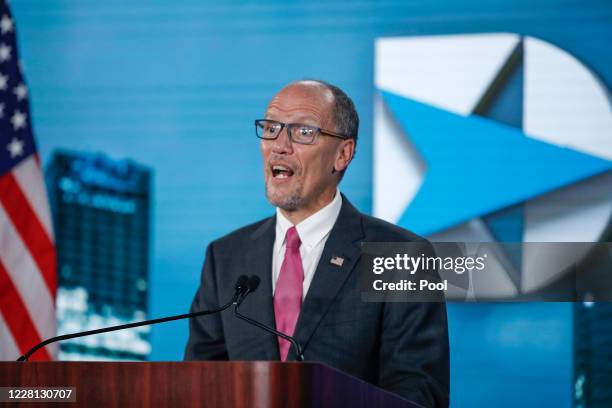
{"points": [[298, 176]]}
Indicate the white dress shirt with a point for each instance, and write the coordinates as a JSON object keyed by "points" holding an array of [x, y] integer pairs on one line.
{"points": [[313, 232]]}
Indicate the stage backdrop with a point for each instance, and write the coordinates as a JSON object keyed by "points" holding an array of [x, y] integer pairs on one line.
{"points": [[175, 86]]}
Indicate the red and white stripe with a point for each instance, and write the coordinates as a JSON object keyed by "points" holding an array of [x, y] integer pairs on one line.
{"points": [[28, 278]]}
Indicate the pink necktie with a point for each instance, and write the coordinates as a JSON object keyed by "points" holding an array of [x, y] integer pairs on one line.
{"points": [[288, 292]]}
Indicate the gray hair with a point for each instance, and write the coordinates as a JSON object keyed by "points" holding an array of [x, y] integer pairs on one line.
{"points": [[345, 115]]}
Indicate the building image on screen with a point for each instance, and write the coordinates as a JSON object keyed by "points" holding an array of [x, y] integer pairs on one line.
{"points": [[101, 213], [592, 354]]}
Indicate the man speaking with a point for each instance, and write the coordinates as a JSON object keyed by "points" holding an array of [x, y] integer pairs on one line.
{"points": [[306, 256]]}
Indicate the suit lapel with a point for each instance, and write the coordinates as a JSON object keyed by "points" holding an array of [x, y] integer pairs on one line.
{"points": [[259, 305], [343, 242]]}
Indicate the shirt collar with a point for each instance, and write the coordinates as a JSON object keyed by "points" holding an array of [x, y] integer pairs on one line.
{"points": [[314, 228]]}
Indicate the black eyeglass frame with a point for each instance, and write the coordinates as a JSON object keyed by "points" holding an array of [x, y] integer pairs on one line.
{"points": [[291, 125]]}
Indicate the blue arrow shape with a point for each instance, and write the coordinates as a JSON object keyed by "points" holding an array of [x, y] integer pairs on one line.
{"points": [[476, 166]]}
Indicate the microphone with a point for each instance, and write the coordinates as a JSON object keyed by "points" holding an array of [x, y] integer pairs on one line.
{"points": [[240, 288], [251, 286]]}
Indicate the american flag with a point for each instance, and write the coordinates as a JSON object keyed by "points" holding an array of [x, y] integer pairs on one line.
{"points": [[28, 279]]}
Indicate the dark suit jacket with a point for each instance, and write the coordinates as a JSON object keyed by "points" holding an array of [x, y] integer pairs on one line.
{"points": [[402, 347]]}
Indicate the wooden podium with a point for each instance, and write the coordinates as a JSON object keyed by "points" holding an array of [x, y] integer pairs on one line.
{"points": [[194, 384]]}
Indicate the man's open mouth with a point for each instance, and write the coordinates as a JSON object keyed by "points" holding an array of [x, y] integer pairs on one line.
{"points": [[281, 172]]}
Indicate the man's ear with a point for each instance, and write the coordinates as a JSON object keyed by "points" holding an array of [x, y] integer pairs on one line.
{"points": [[344, 154]]}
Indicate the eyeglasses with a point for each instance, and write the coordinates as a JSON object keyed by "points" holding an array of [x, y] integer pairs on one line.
{"points": [[304, 134]]}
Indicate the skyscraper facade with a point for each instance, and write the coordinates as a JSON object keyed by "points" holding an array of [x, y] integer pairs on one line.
{"points": [[592, 355], [101, 212]]}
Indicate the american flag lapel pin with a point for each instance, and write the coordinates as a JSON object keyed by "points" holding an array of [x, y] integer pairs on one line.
{"points": [[336, 260]]}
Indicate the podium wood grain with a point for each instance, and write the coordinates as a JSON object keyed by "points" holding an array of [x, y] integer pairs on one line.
{"points": [[199, 384]]}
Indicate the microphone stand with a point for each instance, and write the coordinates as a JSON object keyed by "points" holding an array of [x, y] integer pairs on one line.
{"points": [[298, 349], [240, 289]]}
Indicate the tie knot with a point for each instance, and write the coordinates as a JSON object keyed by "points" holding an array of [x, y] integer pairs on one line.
{"points": [[292, 239]]}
